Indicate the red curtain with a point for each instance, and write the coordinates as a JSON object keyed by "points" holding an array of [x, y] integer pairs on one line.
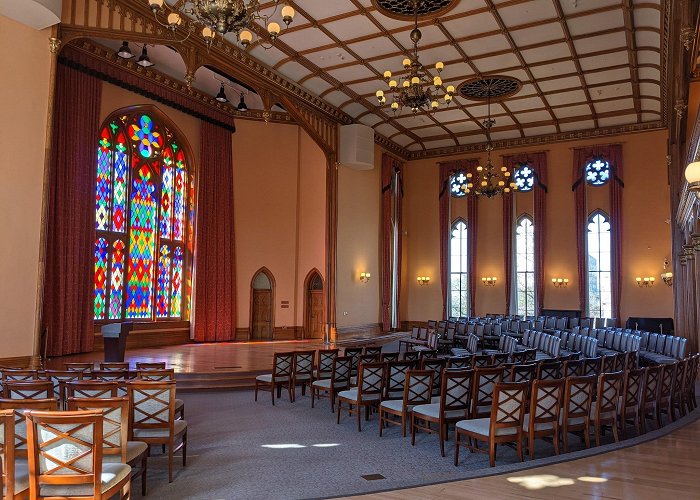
{"points": [[70, 226], [445, 172], [214, 263], [390, 167], [472, 232], [612, 153]]}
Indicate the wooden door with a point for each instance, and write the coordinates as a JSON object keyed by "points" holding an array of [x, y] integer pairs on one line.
{"points": [[315, 314], [262, 315]]}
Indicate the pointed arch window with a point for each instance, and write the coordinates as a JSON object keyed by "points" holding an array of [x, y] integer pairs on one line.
{"points": [[459, 270], [525, 266], [599, 266], [144, 220]]}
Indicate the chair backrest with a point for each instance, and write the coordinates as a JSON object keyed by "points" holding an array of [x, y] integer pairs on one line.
{"points": [[652, 385], [158, 365], [114, 366], [325, 362], [28, 389], [633, 389], [19, 374], [438, 366], [64, 451], [81, 367], [156, 375], [530, 354], [668, 377], [427, 353], [18, 406], [609, 364], [390, 356], [59, 377], [455, 392], [500, 358], [481, 360], [418, 387], [109, 375], [482, 390], [545, 402], [396, 378], [508, 408], [374, 349], [523, 372], [609, 389], [91, 389], [115, 424], [369, 358], [152, 405], [411, 356], [679, 378], [592, 366], [572, 367], [354, 353], [461, 362], [370, 381], [549, 370], [304, 363], [282, 365], [578, 396], [340, 372]]}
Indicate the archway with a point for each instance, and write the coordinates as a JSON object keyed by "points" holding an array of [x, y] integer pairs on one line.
{"points": [[313, 305], [262, 300]]}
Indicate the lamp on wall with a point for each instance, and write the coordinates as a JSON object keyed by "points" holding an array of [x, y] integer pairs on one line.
{"points": [[144, 60], [667, 276], [488, 280], [560, 282], [692, 175], [364, 277], [646, 281], [423, 280]]}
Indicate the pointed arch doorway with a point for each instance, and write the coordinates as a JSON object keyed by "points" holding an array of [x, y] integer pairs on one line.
{"points": [[313, 308], [262, 298]]}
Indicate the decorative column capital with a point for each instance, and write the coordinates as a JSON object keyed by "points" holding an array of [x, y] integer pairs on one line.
{"points": [[680, 107], [687, 36], [54, 44], [189, 78]]}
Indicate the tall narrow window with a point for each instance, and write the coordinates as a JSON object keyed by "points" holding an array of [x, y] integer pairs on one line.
{"points": [[459, 272], [599, 266], [525, 266], [144, 216]]}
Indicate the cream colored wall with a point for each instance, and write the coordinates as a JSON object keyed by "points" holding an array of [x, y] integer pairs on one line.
{"points": [[646, 235], [359, 240], [24, 91]]}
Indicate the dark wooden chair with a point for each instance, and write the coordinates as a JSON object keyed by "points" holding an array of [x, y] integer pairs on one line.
{"points": [[523, 372], [482, 360], [373, 350], [28, 389], [545, 412], [324, 365], [576, 408], [605, 409], [390, 356], [81, 367], [650, 396], [549, 370], [339, 381], [367, 394], [572, 367], [438, 366], [114, 366], [482, 392], [158, 365], [396, 378], [281, 376], [303, 371], [664, 402], [417, 391], [411, 356], [631, 401]]}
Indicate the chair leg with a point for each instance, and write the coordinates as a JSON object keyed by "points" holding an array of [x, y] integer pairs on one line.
{"points": [[144, 469], [565, 439], [413, 430], [184, 449], [597, 433], [256, 390], [555, 442], [492, 453], [442, 439], [615, 432], [403, 423], [170, 463], [456, 447], [520, 448], [587, 436], [126, 490], [381, 421], [340, 404], [531, 445], [312, 396], [358, 410]]}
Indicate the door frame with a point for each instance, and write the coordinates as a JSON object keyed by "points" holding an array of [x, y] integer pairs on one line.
{"points": [[273, 285], [307, 281]]}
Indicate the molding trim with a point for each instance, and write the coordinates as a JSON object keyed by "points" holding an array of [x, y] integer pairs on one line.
{"points": [[369, 328], [24, 362]]}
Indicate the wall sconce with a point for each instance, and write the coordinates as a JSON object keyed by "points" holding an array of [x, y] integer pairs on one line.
{"points": [[692, 175], [364, 277], [488, 281], [560, 282], [666, 275], [647, 281], [423, 280]]}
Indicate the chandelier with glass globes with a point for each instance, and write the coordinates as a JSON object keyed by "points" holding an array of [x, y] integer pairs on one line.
{"points": [[417, 90], [224, 16]]}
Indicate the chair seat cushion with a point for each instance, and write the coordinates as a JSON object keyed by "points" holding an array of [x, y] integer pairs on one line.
{"points": [[392, 404], [112, 474], [481, 426], [604, 415], [134, 449], [433, 411], [323, 384], [572, 420], [302, 376], [540, 426], [267, 377], [351, 395], [21, 477], [180, 427], [179, 403]]}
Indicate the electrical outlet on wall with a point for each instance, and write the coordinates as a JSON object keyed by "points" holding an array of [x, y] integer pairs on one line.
{"points": [[345, 313]]}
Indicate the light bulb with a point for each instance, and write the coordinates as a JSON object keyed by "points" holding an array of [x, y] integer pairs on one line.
{"points": [[406, 84], [288, 14], [434, 104], [439, 66], [208, 34], [506, 190], [448, 98], [155, 4], [450, 90], [174, 20], [245, 37], [415, 80], [387, 74], [484, 183], [273, 29], [394, 105], [501, 183], [507, 174], [406, 63], [479, 168], [379, 93], [504, 169], [437, 81], [393, 84]]}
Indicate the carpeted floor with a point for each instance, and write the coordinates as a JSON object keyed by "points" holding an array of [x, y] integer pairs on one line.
{"points": [[242, 449]]}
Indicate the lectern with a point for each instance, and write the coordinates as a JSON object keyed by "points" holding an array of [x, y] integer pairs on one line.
{"points": [[114, 336]]}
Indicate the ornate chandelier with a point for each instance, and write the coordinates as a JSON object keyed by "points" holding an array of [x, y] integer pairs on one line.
{"points": [[414, 89], [224, 16], [488, 181]]}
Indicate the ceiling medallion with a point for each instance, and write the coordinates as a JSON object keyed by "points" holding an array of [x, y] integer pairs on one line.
{"points": [[403, 9], [493, 88]]}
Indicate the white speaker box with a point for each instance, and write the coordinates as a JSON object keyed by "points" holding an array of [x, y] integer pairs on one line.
{"points": [[356, 147]]}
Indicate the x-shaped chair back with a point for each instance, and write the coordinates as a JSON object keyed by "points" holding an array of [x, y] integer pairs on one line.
{"points": [[668, 376], [484, 380], [530, 354], [17, 407], [152, 405], [17, 374], [369, 358], [508, 407], [114, 366], [591, 366], [158, 365], [545, 401], [411, 356], [438, 366], [620, 361], [523, 373], [396, 378], [481, 360], [325, 362], [115, 422], [81, 367], [679, 377], [691, 373], [370, 380], [119, 376], [375, 350], [91, 389], [633, 389], [354, 353], [282, 366], [156, 375], [455, 392], [389, 356], [304, 363], [28, 389], [549, 370], [427, 353], [463, 362], [340, 372], [609, 363], [573, 367], [64, 449], [609, 388], [418, 387], [59, 378], [518, 357], [499, 358], [578, 396]]}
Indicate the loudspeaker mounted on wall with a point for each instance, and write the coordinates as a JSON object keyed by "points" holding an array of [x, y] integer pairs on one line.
{"points": [[356, 147]]}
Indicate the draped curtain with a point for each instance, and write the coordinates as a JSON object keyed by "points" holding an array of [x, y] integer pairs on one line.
{"points": [[612, 153], [445, 172], [68, 313], [214, 264], [390, 167]]}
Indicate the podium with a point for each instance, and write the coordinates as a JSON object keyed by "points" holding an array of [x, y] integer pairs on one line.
{"points": [[114, 336]]}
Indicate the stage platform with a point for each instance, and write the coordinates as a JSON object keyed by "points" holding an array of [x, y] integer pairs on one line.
{"points": [[223, 365]]}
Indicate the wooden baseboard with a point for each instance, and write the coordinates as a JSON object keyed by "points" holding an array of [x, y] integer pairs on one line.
{"points": [[24, 362], [367, 329]]}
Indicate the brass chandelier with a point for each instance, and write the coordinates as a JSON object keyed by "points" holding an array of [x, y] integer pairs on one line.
{"points": [[414, 90], [224, 16]]}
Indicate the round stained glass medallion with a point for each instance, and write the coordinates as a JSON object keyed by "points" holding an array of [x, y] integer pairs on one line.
{"points": [[524, 178], [458, 184], [404, 9], [597, 172]]}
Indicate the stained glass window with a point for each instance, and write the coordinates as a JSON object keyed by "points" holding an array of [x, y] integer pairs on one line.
{"points": [[458, 184], [525, 267], [459, 271], [144, 218], [597, 172], [524, 178], [599, 266]]}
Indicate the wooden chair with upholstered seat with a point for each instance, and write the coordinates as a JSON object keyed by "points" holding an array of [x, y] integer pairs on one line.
{"points": [[157, 365], [677, 401], [459, 362], [281, 376], [500, 358], [411, 356], [65, 457], [438, 366], [572, 367], [91, 389], [396, 377], [523, 372], [119, 376], [650, 396], [339, 381], [367, 394], [482, 360], [152, 418], [81, 367], [482, 392], [505, 424], [631, 400], [455, 400], [549, 370], [354, 353], [390, 356], [28, 389], [418, 389], [372, 349], [324, 365], [543, 417], [59, 378], [302, 371], [605, 409], [114, 366], [664, 402], [158, 375], [115, 434], [576, 408]]}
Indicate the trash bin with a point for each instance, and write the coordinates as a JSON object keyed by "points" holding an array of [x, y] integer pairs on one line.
{"points": [[114, 336]]}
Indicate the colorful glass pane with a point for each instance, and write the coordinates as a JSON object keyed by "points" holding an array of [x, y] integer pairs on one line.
{"points": [[148, 137], [190, 222], [116, 288], [176, 295], [458, 185], [121, 174], [524, 178], [163, 291], [103, 192], [101, 256], [141, 245], [179, 205], [597, 172], [166, 195]]}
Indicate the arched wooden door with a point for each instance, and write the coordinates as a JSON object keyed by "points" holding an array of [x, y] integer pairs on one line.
{"points": [[313, 313], [262, 299]]}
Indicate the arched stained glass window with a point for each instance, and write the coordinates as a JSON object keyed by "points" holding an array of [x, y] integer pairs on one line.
{"points": [[599, 266], [524, 178], [459, 270], [458, 184], [144, 221], [525, 266], [597, 172]]}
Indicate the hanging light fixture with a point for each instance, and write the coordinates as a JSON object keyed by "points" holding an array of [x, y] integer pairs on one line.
{"points": [[224, 16], [488, 182], [144, 60], [124, 51], [242, 106], [221, 96], [414, 90]]}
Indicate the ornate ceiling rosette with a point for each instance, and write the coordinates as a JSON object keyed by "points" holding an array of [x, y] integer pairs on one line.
{"points": [[404, 9], [495, 87]]}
